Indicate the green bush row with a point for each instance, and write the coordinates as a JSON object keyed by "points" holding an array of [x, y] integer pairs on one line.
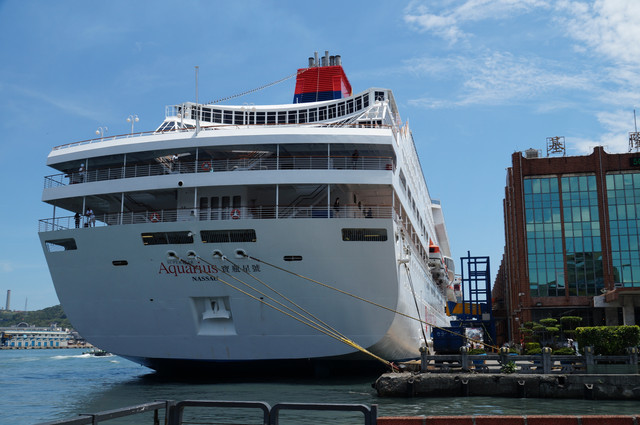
{"points": [[608, 340]]}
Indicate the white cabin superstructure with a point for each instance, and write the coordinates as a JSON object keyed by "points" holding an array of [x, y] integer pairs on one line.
{"points": [[185, 222]]}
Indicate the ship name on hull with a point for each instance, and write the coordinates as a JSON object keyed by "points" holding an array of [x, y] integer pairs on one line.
{"points": [[204, 272]]}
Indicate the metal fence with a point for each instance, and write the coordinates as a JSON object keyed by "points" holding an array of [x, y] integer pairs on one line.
{"points": [[174, 412], [544, 363]]}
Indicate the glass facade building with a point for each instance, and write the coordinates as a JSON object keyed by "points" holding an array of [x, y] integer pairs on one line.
{"points": [[623, 199], [564, 248], [572, 241]]}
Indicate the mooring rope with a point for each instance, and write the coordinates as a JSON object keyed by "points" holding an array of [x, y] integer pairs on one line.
{"points": [[300, 319], [373, 303]]}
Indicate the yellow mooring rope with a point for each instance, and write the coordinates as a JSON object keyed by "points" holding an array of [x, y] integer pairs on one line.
{"points": [[325, 329], [372, 303]]}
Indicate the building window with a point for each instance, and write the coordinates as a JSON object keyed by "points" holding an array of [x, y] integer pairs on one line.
{"points": [[623, 199], [544, 237], [582, 235]]}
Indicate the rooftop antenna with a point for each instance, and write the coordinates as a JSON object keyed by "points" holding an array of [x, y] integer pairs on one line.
{"points": [[634, 138]]}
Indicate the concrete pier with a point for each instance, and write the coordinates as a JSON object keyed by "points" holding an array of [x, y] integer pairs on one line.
{"points": [[574, 386]]}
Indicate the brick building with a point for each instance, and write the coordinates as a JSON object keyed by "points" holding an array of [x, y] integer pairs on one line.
{"points": [[572, 230]]}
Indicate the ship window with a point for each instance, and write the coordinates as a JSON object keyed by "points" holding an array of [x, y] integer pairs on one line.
{"points": [[364, 235], [366, 101], [238, 117], [271, 117], [165, 238], [228, 117], [341, 109], [302, 117], [350, 106], [358, 103], [222, 236], [292, 258], [312, 115], [217, 115], [59, 245], [292, 117], [322, 113], [379, 96], [260, 118], [206, 114], [282, 117], [119, 262], [332, 111]]}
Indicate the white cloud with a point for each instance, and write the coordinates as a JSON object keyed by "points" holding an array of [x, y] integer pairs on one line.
{"points": [[447, 22], [500, 78], [615, 139], [606, 27]]}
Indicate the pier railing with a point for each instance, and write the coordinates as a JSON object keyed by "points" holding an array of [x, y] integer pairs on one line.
{"points": [[544, 363], [174, 412]]}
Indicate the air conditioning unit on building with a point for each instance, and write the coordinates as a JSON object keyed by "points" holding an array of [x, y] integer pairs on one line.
{"points": [[531, 153]]}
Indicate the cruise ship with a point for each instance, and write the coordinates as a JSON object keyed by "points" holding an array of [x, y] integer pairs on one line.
{"points": [[277, 237]]}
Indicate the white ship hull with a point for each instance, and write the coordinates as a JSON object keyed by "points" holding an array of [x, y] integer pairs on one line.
{"points": [[154, 307]]}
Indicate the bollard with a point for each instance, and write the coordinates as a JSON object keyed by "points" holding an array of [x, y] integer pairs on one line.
{"points": [[464, 359], [632, 352], [504, 356], [588, 355], [546, 360], [423, 359]]}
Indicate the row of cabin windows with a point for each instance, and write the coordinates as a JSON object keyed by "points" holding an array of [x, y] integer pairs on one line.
{"points": [[300, 116], [219, 236], [403, 182]]}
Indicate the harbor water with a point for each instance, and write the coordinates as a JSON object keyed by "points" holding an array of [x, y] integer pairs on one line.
{"points": [[45, 385]]}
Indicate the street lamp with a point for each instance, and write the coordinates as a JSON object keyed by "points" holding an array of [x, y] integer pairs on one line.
{"points": [[100, 131], [132, 119]]}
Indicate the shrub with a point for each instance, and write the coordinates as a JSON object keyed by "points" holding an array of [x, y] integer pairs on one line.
{"points": [[477, 351], [570, 322], [508, 368], [608, 340], [564, 351], [531, 345], [534, 351], [548, 322]]}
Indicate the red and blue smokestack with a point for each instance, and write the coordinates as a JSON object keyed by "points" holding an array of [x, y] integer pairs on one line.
{"points": [[323, 80]]}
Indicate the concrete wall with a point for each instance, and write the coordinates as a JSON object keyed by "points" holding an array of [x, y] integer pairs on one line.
{"points": [[511, 420]]}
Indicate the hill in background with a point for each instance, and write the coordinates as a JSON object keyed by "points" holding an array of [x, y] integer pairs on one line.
{"points": [[39, 318]]}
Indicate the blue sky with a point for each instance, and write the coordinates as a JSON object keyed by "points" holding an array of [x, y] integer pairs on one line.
{"points": [[477, 80]]}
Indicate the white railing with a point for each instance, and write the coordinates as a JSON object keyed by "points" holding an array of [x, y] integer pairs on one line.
{"points": [[209, 214], [222, 165]]}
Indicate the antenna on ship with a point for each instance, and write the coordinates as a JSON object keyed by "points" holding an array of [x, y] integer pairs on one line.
{"points": [[197, 107]]}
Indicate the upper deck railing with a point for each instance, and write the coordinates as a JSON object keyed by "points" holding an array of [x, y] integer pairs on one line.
{"points": [[217, 127], [209, 166], [267, 212]]}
